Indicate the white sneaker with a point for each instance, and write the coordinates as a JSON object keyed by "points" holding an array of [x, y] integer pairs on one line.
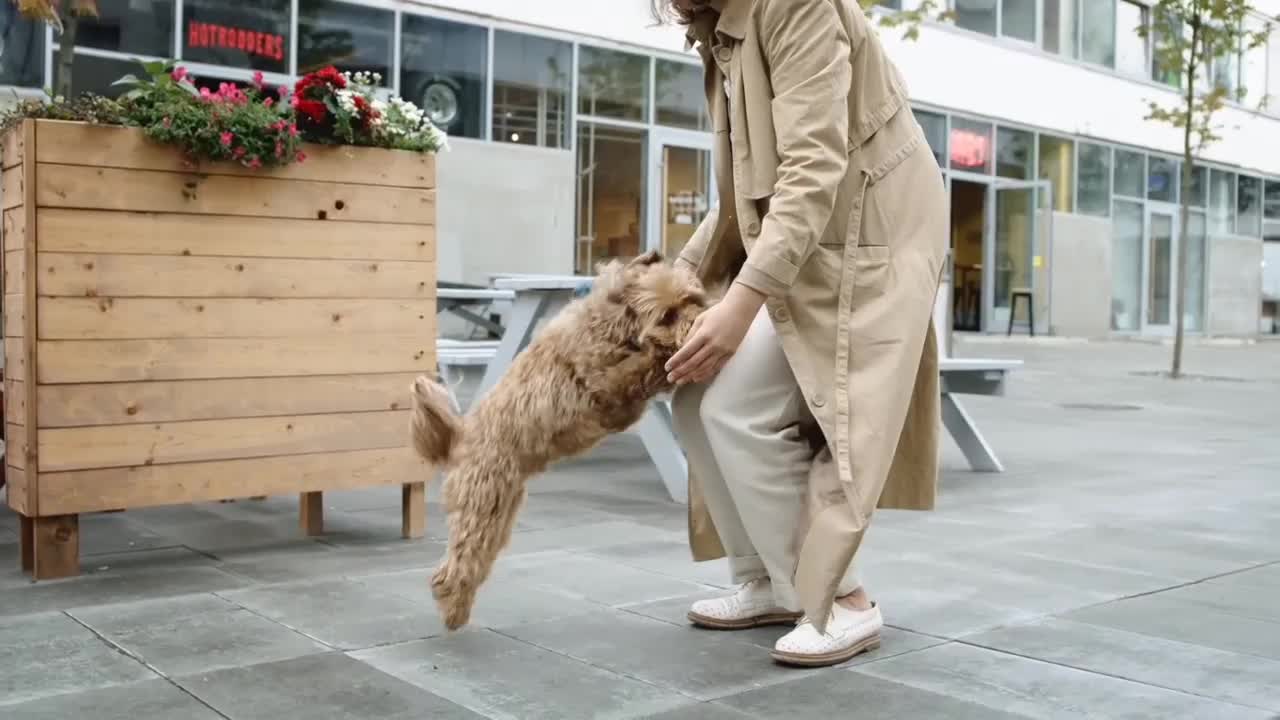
{"points": [[751, 606], [849, 633]]}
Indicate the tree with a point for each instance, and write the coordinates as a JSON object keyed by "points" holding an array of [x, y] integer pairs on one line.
{"points": [[64, 16], [1188, 37], [910, 19]]}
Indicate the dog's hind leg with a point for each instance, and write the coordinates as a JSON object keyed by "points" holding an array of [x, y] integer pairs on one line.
{"points": [[482, 516]]}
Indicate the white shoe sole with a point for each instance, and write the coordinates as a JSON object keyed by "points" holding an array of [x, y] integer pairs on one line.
{"points": [[706, 621], [833, 658]]}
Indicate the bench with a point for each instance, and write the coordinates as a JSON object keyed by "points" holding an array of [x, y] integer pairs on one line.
{"points": [[972, 376], [459, 354], [459, 300]]}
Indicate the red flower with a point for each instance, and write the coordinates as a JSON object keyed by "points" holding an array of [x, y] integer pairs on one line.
{"points": [[301, 156], [227, 138], [311, 109]]}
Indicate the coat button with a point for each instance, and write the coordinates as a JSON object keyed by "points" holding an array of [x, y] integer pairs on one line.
{"points": [[781, 315], [724, 54], [819, 401], [753, 228]]}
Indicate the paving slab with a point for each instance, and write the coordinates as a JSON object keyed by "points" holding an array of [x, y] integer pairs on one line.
{"points": [[1040, 689], [116, 586], [148, 700], [344, 614], [194, 634], [318, 687], [593, 578], [1188, 622], [1231, 677], [501, 677], [50, 654]]}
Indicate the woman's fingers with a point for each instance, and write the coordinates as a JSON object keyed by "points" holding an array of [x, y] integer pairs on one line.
{"points": [[708, 370], [695, 342], [686, 369]]}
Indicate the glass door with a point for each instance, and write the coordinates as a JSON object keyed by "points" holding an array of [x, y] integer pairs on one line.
{"points": [[1016, 254], [1160, 284], [681, 188]]}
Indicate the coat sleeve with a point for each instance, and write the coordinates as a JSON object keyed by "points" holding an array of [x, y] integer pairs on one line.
{"points": [[808, 52], [691, 256]]}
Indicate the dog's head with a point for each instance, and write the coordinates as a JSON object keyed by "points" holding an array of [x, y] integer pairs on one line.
{"points": [[659, 302]]}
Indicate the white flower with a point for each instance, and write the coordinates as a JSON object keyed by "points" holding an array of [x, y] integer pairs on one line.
{"points": [[346, 100]]}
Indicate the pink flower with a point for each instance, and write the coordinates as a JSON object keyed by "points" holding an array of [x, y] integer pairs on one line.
{"points": [[205, 94], [283, 91], [179, 74], [257, 80], [279, 149], [254, 162], [239, 152], [301, 156], [227, 138], [268, 102], [293, 129]]}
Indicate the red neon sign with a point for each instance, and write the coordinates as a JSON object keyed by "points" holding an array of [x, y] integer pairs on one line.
{"points": [[969, 149], [209, 35]]}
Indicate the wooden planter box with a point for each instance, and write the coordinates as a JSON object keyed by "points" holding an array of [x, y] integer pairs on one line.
{"points": [[175, 335]]}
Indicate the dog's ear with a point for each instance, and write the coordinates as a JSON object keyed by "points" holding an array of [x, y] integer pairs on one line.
{"points": [[651, 257]]}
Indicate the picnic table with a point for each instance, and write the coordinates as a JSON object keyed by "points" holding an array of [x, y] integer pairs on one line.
{"points": [[459, 299], [539, 297]]}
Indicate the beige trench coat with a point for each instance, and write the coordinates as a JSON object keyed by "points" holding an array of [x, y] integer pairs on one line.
{"points": [[832, 205]]}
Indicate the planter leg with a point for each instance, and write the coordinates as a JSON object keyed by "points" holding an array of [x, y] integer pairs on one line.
{"points": [[27, 541], [413, 510], [311, 513], [55, 547]]}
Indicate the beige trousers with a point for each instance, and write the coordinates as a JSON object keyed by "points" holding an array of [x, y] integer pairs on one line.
{"points": [[741, 435]]}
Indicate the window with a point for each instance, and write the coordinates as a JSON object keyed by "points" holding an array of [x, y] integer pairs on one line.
{"points": [[970, 145], [1222, 202], [96, 74], [251, 34], [1198, 187], [1126, 265], [442, 68], [22, 51], [1163, 69], [1130, 174], [1059, 34], [1249, 206], [977, 15], [1015, 153], [1271, 200], [138, 28], [531, 85], [1018, 19], [1131, 48], [1093, 190], [613, 84], [679, 95], [1253, 67], [1057, 165], [935, 131], [1223, 71], [1162, 178], [1193, 312], [611, 168], [1098, 32], [354, 38]]}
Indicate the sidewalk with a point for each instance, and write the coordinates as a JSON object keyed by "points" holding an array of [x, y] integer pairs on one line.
{"points": [[1126, 565]]}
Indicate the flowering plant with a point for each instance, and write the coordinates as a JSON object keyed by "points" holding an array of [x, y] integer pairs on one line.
{"points": [[344, 108], [251, 127]]}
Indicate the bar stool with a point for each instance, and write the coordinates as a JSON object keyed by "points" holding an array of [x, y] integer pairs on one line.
{"points": [[1014, 296]]}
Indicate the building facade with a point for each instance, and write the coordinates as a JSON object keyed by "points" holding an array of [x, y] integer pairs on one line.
{"points": [[578, 134]]}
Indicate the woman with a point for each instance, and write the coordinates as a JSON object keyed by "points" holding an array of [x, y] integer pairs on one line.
{"points": [[810, 394]]}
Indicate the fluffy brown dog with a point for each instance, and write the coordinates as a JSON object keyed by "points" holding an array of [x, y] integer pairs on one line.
{"points": [[591, 372]]}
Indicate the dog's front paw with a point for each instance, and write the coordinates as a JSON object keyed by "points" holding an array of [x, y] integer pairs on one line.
{"points": [[454, 597]]}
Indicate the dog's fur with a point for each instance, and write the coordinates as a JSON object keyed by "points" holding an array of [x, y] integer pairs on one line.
{"points": [[589, 373]]}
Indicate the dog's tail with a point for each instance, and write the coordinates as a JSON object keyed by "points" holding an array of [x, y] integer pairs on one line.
{"points": [[436, 426]]}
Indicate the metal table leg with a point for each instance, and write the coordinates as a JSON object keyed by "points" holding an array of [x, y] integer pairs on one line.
{"points": [[965, 432], [659, 437]]}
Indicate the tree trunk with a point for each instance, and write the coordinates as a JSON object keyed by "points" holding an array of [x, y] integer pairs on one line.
{"points": [[66, 55], [1184, 205]]}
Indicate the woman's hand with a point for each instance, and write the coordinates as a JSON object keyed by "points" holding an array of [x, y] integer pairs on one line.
{"points": [[715, 336]]}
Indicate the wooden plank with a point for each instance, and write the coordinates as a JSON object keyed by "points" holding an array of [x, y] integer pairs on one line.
{"points": [[413, 510], [15, 445], [15, 270], [149, 486], [25, 369], [15, 357], [93, 361], [16, 487], [191, 277], [63, 449], [159, 402], [311, 513], [11, 186], [74, 186], [56, 547], [103, 146], [27, 540], [15, 401], [15, 316], [11, 148], [15, 228], [138, 318], [106, 232]]}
